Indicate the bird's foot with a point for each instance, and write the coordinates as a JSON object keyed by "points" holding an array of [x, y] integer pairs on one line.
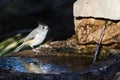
{"points": [[45, 46], [35, 50]]}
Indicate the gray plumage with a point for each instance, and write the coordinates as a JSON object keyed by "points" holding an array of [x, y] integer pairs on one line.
{"points": [[33, 33], [34, 38], [19, 47]]}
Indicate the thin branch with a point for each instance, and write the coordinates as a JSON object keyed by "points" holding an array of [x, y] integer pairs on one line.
{"points": [[98, 46]]}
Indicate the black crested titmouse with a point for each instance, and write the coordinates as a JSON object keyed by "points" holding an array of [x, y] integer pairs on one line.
{"points": [[35, 38]]}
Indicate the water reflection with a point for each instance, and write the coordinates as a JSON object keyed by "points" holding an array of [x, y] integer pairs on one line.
{"points": [[12, 64], [51, 65]]}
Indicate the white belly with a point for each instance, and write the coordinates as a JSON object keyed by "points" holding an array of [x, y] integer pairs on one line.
{"points": [[38, 39]]}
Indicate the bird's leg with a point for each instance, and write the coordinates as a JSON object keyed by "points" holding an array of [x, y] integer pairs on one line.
{"points": [[44, 46], [41, 46], [34, 50]]}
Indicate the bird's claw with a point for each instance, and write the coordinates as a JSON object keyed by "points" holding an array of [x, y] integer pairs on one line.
{"points": [[35, 50]]}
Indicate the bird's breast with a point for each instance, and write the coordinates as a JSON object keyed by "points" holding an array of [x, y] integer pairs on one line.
{"points": [[38, 39]]}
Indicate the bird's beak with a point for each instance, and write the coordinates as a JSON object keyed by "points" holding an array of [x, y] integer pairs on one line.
{"points": [[48, 28]]}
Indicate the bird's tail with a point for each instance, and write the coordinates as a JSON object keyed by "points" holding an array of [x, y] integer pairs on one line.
{"points": [[19, 47]]}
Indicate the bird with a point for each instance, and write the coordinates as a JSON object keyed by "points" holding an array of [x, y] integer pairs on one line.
{"points": [[35, 37]]}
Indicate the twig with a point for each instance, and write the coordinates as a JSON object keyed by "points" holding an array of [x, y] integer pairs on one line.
{"points": [[98, 46]]}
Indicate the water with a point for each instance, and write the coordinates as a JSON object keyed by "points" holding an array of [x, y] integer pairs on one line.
{"points": [[51, 65]]}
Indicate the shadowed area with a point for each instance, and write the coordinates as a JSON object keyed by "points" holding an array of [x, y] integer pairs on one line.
{"points": [[23, 14]]}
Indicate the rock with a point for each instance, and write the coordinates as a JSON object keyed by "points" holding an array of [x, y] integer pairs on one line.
{"points": [[103, 70], [117, 76], [89, 30], [97, 8]]}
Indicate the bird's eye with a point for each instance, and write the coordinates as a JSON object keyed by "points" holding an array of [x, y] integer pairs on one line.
{"points": [[43, 27]]}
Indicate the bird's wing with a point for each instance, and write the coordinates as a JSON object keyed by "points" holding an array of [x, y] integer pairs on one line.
{"points": [[31, 35]]}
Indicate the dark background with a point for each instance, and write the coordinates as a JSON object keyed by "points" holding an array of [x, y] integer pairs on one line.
{"points": [[16, 15]]}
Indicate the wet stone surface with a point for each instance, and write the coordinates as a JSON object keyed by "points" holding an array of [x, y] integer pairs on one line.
{"points": [[47, 65], [104, 69], [60, 62]]}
